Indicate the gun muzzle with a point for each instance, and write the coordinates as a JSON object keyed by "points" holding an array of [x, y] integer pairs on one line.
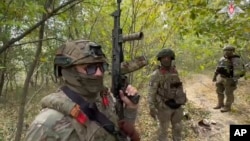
{"points": [[133, 65], [133, 36]]}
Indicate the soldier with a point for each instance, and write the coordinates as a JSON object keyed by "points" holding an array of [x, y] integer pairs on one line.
{"points": [[230, 68], [166, 96], [83, 109]]}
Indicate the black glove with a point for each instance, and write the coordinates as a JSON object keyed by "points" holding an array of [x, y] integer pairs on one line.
{"points": [[153, 113], [172, 104]]}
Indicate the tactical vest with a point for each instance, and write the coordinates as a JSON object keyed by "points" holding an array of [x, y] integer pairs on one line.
{"points": [[232, 67], [170, 87], [225, 67]]}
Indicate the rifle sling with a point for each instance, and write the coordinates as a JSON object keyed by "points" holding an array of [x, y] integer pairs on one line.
{"points": [[90, 109]]}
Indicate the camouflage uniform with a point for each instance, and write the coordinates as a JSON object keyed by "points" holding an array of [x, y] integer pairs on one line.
{"points": [[61, 119], [165, 98], [229, 69], [55, 121]]}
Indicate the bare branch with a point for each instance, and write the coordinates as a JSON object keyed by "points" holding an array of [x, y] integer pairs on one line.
{"points": [[38, 41], [66, 9]]}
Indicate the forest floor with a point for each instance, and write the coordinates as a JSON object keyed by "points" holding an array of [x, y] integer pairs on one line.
{"points": [[201, 92], [201, 100]]}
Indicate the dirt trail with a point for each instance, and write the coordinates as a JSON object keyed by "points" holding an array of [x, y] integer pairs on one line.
{"points": [[201, 92]]}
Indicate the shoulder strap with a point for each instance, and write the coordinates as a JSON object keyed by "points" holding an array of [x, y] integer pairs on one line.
{"points": [[91, 110]]}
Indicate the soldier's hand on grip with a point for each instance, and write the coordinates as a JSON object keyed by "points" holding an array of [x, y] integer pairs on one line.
{"points": [[130, 91]]}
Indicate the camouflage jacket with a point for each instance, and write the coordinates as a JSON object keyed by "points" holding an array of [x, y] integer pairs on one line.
{"points": [[233, 67], [165, 85], [54, 122]]}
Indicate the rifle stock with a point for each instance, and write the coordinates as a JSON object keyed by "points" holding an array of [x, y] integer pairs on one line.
{"points": [[119, 80]]}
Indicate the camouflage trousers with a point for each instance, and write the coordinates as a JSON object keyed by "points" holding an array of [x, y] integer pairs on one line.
{"points": [[166, 116], [225, 87]]}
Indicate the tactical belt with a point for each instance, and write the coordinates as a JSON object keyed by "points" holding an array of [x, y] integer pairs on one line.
{"points": [[90, 109]]}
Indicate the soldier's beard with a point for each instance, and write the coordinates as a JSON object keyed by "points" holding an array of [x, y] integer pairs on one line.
{"points": [[87, 86]]}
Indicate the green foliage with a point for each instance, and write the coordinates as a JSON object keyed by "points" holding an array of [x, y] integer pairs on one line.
{"points": [[192, 28]]}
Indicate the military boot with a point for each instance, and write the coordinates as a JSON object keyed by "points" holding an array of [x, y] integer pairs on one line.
{"points": [[220, 101], [226, 109], [218, 106]]}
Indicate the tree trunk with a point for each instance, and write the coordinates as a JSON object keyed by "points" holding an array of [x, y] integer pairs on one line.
{"points": [[3, 71], [35, 78], [26, 84], [1, 82]]}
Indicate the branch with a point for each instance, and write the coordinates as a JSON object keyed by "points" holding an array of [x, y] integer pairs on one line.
{"points": [[68, 8], [49, 15], [95, 21], [37, 41]]}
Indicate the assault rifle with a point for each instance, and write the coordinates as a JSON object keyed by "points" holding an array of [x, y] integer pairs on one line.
{"points": [[119, 80]]}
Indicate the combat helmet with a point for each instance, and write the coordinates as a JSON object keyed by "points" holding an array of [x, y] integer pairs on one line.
{"points": [[229, 48], [77, 52], [166, 52]]}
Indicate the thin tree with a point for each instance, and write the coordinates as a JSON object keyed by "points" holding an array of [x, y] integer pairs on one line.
{"points": [[34, 64]]}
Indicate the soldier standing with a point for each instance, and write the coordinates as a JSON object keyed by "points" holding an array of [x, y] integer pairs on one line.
{"points": [[83, 109], [229, 69], [166, 96]]}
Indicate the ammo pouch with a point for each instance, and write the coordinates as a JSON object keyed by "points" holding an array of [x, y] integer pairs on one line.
{"points": [[175, 85], [172, 104], [171, 92]]}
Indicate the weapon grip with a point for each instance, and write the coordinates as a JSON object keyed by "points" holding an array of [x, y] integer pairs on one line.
{"points": [[134, 99]]}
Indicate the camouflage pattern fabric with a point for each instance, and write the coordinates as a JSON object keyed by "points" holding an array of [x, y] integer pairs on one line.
{"points": [[225, 68], [130, 66], [54, 122], [233, 66], [238, 67], [167, 116], [226, 85], [80, 52], [162, 88]]}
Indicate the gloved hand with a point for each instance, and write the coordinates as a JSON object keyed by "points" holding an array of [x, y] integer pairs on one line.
{"points": [[153, 113], [129, 130]]}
